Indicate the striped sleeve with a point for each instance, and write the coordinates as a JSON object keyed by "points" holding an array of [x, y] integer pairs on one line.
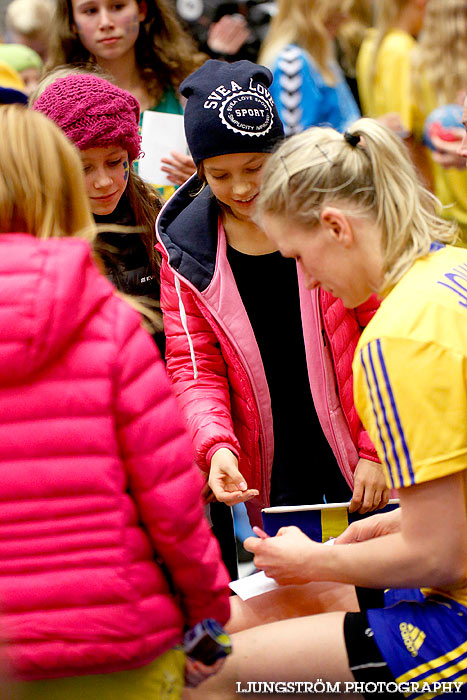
{"points": [[411, 395], [391, 440]]}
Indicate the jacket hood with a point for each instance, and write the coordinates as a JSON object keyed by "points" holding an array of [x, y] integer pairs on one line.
{"points": [[187, 228], [48, 289]]}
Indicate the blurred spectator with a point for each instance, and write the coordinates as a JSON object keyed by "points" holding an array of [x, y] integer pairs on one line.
{"points": [[385, 73], [229, 29], [309, 87], [440, 78], [349, 38], [29, 22], [384, 61], [25, 61]]}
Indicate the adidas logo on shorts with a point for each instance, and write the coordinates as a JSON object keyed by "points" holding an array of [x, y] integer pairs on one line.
{"points": [[413, 637]]}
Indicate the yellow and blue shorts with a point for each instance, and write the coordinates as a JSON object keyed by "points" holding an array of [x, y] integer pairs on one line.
{"points": [[423, 641]]}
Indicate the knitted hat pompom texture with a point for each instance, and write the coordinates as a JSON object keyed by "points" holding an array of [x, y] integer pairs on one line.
{"points": [[92, 112], [229, 109]]}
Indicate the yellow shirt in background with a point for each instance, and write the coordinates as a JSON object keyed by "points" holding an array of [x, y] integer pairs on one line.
{"points": [[385, 86]]}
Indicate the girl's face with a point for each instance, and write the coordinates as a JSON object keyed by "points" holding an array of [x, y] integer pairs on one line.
{"points": [[31, 77], [108, 29], [235, 180], [106, 171], [329, 254]]}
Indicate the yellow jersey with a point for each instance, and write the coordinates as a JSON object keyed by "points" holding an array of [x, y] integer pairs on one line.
{"points": [[386, 85], [410, 375]]}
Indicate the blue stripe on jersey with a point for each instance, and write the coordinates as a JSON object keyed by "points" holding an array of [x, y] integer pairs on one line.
{"points": [[375, 413], [396, 414], [386, 421]]}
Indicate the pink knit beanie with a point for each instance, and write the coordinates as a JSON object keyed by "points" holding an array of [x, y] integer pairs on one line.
{"points": [[92, 112]]}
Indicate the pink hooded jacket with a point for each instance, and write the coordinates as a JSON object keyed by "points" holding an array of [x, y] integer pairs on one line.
{"points": [[105, 554], [214, 361]]}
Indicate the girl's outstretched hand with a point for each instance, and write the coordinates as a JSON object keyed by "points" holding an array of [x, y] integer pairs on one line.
{"points": [[225, 480], [178, 167]]}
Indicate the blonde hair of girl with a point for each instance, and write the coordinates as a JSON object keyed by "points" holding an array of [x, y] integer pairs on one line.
{"points": [[42, 189], [41, 192], [303, 22], [375, 178], [442, 55]]}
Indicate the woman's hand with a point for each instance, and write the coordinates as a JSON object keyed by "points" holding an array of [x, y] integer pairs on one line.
{"points": [[226, 481], [197, 672], [369, 528], [370, 490], [178, 167], [284, 556]]}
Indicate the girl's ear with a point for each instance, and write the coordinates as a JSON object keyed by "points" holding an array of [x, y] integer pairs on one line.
{"points": [[142, 10]]}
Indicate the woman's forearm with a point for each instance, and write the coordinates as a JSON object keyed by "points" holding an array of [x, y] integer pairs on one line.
{"points": [[390, 562]]}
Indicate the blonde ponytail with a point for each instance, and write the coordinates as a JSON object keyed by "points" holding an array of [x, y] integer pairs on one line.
{"points": [[369, 172]]}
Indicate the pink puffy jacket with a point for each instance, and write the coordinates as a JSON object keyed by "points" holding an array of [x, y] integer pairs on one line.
{"points": [[105, 554], [214, 361]]}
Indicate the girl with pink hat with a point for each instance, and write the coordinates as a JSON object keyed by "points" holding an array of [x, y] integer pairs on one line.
{"points": [[102, 121]]}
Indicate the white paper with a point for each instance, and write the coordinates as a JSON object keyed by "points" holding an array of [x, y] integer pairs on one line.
{"points": [[251, 586], [161, 133]]}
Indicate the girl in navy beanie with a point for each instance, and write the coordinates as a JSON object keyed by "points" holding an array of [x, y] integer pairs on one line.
{"points": [[261, 365]]}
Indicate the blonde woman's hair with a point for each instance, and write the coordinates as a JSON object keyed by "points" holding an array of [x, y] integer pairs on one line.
{"points": [[303, 22], [41, 184], [374, 179], [441, 57]]}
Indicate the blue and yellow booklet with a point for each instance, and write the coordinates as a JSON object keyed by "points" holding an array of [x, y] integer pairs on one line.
{"points": [[321, 522]]}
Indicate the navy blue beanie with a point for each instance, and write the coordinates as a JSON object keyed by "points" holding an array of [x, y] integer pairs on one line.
{"points": [[229, 110]]}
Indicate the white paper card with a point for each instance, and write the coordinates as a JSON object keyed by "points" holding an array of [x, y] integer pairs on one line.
{"points": [[251, 586], [161, 133]]}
